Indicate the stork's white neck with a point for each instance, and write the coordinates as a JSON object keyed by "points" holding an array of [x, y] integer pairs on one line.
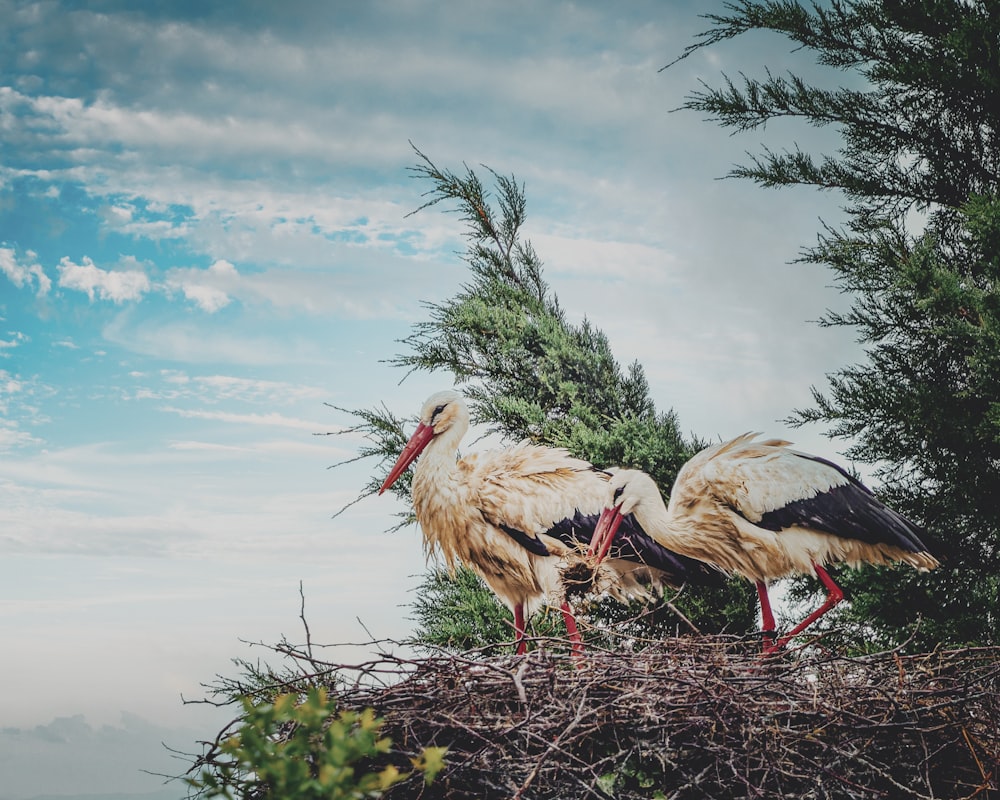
{"points": [[656, 519], [437, 465], [438, 492]]}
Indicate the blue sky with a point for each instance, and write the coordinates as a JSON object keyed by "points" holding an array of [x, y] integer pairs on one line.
{"points": [[205, 240]]}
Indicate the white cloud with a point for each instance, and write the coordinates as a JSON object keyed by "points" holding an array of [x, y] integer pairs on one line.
{"points": [[210, 447], [118, 215], [232, 386], [174, 376], [177, 387], [115, 286], [205, 297], [273, 419], [16, 338], [191, 342], [11, 436], [380, 292], [21, 274], [8, 384], [199, 137], [92, 757], [640, 264], [207, 288], [90, 501], [16, 410]]}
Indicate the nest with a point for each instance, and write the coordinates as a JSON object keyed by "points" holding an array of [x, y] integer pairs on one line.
{"points": [[692, 717]]}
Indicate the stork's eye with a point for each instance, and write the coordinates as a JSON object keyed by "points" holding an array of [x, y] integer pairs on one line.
{"points": [[439, 409], [619, 491]]}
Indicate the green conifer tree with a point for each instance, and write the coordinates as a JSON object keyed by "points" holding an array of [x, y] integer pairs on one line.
{"points": [[920, 256]]}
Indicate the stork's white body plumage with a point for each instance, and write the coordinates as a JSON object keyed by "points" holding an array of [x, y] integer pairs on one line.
{"points": [[462, 504], [764, 511], [518, 515]]}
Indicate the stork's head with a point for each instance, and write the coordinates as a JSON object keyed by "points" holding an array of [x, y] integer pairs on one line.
{"points": [[442, 411], [628, 490]]}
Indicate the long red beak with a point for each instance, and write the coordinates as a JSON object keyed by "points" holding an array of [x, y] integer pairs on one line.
{"points": [[604, 533], [421, 437]]}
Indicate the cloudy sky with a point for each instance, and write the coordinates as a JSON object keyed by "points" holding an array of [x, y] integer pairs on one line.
{"points": [[205, 243]]}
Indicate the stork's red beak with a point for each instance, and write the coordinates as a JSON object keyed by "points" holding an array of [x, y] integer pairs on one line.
{"points": [[421, 437], [604, 532]]}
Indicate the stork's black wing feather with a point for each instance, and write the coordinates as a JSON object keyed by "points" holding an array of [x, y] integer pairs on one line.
{"points": [[849, 510], [632, 543], [531, 543]]}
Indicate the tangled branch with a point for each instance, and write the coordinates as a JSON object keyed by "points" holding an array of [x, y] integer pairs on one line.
{"points": [[692, 717]]}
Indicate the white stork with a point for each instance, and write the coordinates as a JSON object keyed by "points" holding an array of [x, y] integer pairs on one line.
{"points": [[763, 511], [516, 515]]}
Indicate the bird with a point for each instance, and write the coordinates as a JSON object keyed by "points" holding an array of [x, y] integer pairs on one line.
{"points": [[759, 509], [519, 515]]}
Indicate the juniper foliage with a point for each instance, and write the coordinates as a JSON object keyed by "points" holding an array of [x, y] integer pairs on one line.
{"points": [[920, 257]]}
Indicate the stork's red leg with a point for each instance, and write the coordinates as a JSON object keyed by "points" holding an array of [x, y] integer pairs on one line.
{"points": [[519, 629], [766, 619], [574, 634], [834, 596]]}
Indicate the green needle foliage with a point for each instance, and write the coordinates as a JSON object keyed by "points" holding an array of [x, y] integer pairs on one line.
{"points": [[529, 372], [459, 612], [924, 131], [920, 257]]}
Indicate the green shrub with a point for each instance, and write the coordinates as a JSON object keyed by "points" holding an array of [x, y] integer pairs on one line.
{"points": [[304, 749]]}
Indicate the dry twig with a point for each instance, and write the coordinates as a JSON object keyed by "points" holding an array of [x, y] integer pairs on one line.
{"points": [[692, 717]]}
